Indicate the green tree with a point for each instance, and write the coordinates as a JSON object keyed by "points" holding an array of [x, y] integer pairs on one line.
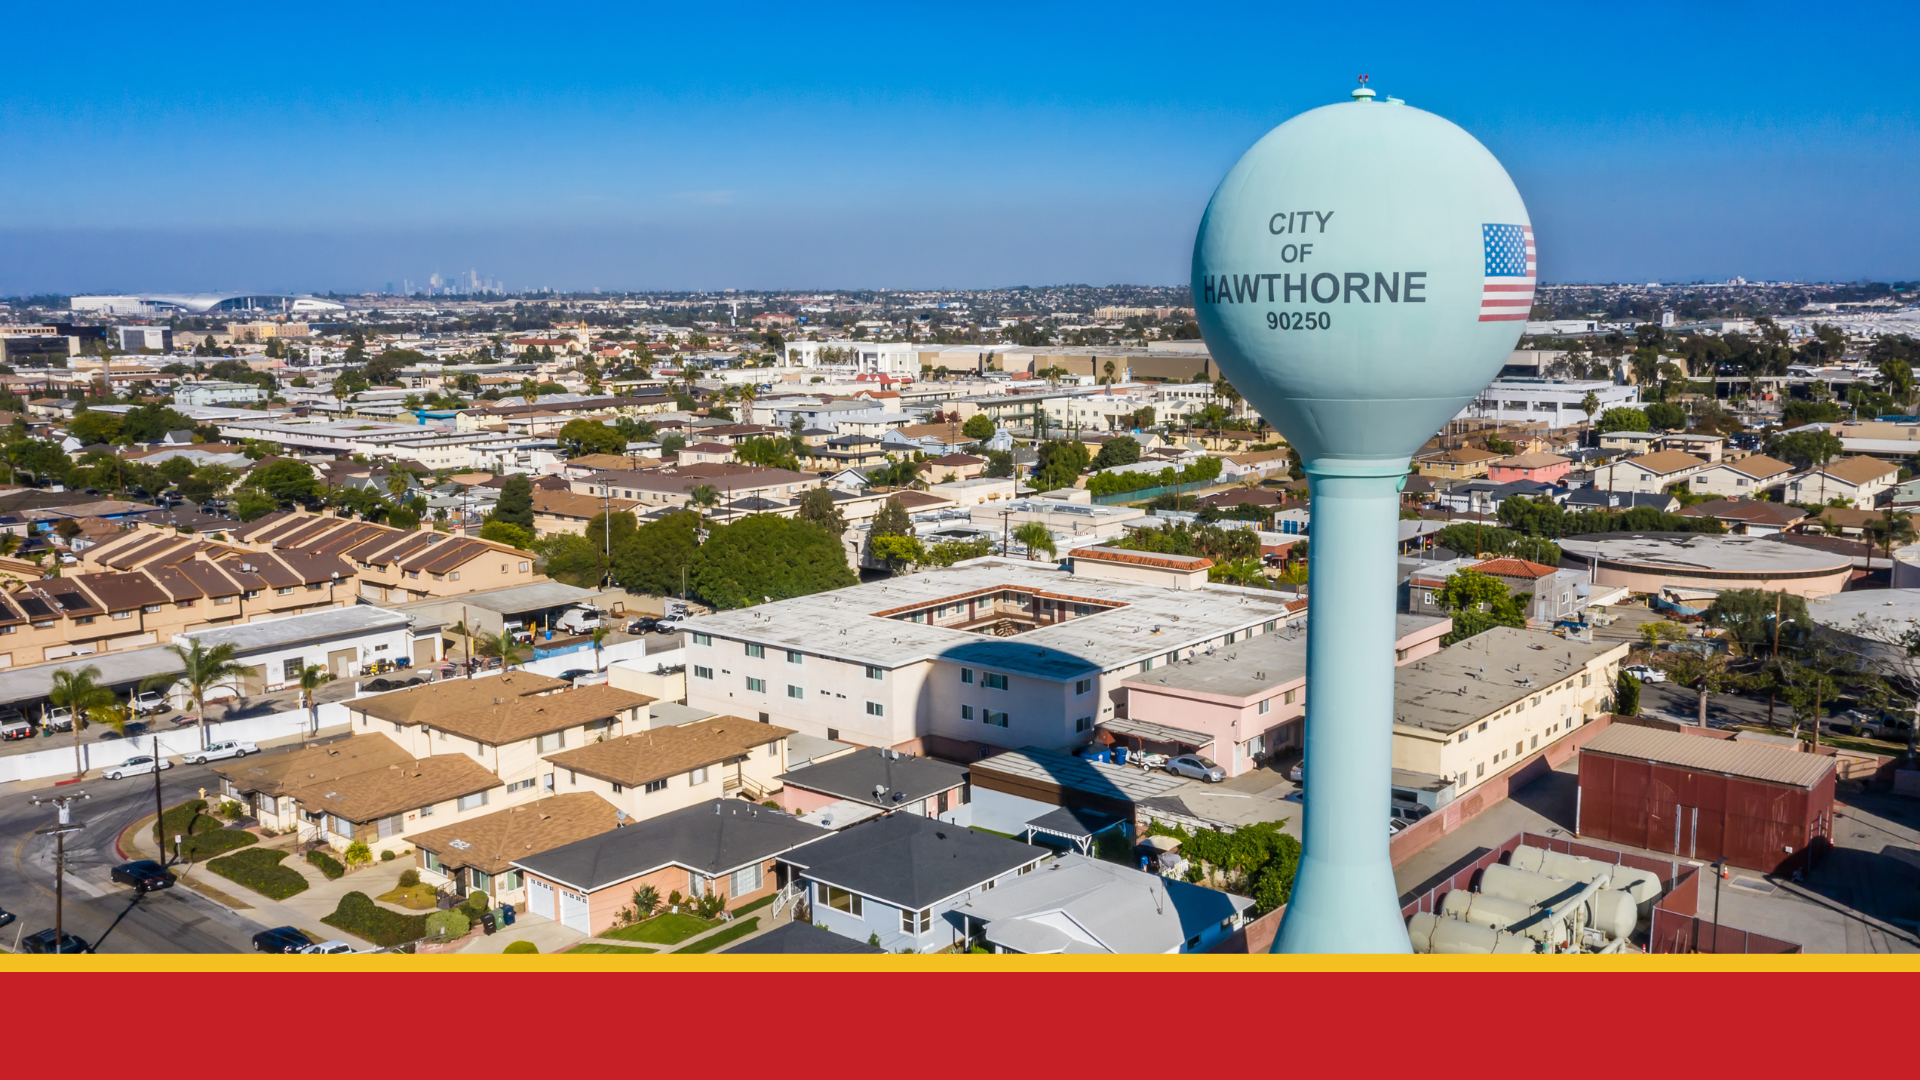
{"points": [[286, 480], [505, 532], [1479, 602], [891, 519], [818, 507], [1621, 418], [897, 552], [311, 678], [80, 693], [770, 453], [1590, 405], [1666, 416], [703, 497], [252, 504], [1117, 451], [1060, 464], [501, 646], [1036, 538], [95, 427], [999, 464], [515, 506], [764, 557], [1746, 617], [1626, 695], [583, 437], [655, 556], [979, 427], [202, 669], [1704, 671]]}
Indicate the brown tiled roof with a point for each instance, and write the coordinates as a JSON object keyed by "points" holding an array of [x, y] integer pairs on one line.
{"points": [[567, 504], [1536, 460], [920, 500], [402, 786], [1243, 497], [278, 771], [1143, 558], [1858, 470], [500, 710], [1758, 466], [635, 759], [1665, 461], [957, 460], [119, 592], [1466, 455], [1746, 510], [1513, 568], [489, 843]]}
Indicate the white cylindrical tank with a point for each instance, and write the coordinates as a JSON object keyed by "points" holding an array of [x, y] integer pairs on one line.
{"points": [[1497, 914], [1428, 933], [1613, 912], [1507, 883], [1555, 864], [1643, 884]]}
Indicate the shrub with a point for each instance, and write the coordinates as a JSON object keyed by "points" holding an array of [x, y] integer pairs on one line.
{"points": [[358, 854], [646, 901], [476, 902], [360, 916], [260, 870], [521, 947], [326, 864], [409, 878], [451, 923], [710, 906], [232, 811]]}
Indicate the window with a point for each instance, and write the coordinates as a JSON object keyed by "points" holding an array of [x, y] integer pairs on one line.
{"points": [[1536, 740], [655, 785], [1480, 769], [292, 668], [523, 566], [966, 675], [1084, 723], [433, 862], [477, 799], [758, 686], [1082, 686], [87, 620], [127, 614], [1463, 735], [701, 672], [150, 608], [874, 672], [966, 712], [773, 749], [702, 639], [842, 900], [793, 657], [916, 922], [1266, 706], [798, 692], [874, 708], [223, 599], [284, 590], [617, 789], [1586, 679], [1288, 698], [1147, 664], [697, 776], [553, 740], [1483, 725], [427, 810], [743, 881], [547, 782], [187, 603], [993, 718], [758, 652], [480, 881], [1520, 747], [993, 681], [250, 594], [520, 785], [511, 881], [1271, 625]]}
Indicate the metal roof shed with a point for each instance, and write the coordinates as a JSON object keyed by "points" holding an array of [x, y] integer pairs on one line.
{"points": [[1755, 805]]}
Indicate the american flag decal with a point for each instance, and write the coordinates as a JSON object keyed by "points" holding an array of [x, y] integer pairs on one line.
{"points": [[1508, 295]]}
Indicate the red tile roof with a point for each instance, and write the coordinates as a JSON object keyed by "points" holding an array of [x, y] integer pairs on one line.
{"points": [[1517, 568], [1141, 558]]}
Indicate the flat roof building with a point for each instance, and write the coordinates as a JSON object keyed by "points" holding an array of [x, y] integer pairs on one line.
{"points": [[1649, 562]]}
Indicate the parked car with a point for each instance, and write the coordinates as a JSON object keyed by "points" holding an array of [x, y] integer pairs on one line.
{"points": [[573, 673], [669, 625], [15, 726], [60, 719], [280, 939], [642, 625], [1298, 773], [150, 703], [6, 916], [231, 748], [1644, 673], [329, 948], [43, 942], [1196, 767], [144, 875], [135, 766]]}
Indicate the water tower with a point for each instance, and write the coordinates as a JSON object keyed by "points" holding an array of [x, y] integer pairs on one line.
{"points": [[1360, 275]]}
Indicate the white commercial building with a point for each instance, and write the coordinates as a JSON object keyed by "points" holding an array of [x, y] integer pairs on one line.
{"points": [[1555, 402]]}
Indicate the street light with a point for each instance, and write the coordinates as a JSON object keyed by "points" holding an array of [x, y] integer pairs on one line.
{"points": [[63, 824]]}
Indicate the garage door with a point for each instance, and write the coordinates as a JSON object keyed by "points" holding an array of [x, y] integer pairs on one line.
{"points": [[573, 911], [539, 898]]}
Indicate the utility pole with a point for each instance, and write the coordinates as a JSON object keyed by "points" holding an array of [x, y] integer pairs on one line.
{"points": [[1719, 875], [63, 824], [1773, 691], [159, 807]]}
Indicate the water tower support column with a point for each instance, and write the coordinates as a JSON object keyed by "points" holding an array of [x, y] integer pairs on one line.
{"points": [[1344, 899]]}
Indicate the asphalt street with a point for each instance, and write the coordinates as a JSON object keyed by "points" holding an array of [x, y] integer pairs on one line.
{"points": [[112, 917]]}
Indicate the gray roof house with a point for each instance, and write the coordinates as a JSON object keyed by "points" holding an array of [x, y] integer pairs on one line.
{"points": [[889, 780], [724, 844], [798, 938], [1080, 905], [897, 877]]}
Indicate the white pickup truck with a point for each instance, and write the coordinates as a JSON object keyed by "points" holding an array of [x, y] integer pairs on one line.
{"points": [[580, 620], [232, 748]]}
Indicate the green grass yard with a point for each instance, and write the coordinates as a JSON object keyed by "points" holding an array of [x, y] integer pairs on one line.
{"points": [[669, 929]]}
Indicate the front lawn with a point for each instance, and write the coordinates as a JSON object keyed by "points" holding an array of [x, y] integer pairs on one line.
{"points": [[756, 905], [669, 929], [421, 897], [202, 835], [259, 869], [740, 928], [601, 947]]}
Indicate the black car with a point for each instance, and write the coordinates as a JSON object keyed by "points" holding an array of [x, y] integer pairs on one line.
{"points": [[280, 939], [42, 942], [144, 875], [573, 673], [642, 625], [5, 916]]}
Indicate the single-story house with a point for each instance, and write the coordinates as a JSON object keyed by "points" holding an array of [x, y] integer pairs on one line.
{"points": [[1750, 517], [477, 855], [1080, 905], [800, 939], [1545, 468], [883, 779], [721, 844]]}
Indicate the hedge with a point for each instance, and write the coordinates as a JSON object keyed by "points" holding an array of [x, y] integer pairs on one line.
{"points": [[449, 924], [360, 916], [326, 864], [203, 834], [1205, 470], [260, 870]]}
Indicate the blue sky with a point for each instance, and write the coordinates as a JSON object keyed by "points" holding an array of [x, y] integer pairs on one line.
{"points": [[305, 148]]}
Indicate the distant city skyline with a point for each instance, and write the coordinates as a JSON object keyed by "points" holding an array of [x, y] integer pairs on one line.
{"points": [[847, 147]]}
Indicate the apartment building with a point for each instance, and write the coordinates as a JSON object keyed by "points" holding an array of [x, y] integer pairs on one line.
{"points": [[1472, 709], [990, 652], [1858, 480], [1742, 479], [1650, 473], [565, 512], [662, 769], [388, 564], [672, 486]]}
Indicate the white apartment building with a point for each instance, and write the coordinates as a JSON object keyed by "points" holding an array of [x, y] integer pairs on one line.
{"points": [[1555, 402], [991, 652]]}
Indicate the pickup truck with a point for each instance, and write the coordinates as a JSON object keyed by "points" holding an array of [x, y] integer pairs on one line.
{"points": [[231, 748], [580, 620], [15, 726]]}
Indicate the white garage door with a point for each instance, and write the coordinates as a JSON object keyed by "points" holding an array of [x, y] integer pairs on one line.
{"points": [[539, 898], [573, 911]]}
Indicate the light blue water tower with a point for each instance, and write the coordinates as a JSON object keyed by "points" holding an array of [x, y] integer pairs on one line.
{"points": [[1360, 275]]}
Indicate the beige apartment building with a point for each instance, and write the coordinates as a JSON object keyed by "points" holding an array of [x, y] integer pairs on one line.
{"points": [[1650, 474]]}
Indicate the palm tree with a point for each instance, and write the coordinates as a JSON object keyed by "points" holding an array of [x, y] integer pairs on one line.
{"points": [[1036, 538], [702, 498], [1110, 368], [80, 693], [501, 645], [311, 677], [202, 669], [599, 635], [1239, 572], [1894, 530]]}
